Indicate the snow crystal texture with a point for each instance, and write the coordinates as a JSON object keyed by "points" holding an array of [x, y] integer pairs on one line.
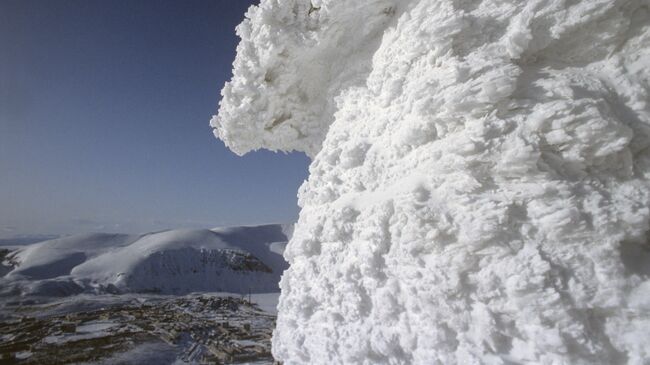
{"points": [[479, 190]]}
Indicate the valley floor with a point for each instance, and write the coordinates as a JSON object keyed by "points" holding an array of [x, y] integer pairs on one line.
{"points": [[138, 329]]}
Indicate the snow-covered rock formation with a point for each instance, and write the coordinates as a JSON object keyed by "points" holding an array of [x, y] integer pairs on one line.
{"points": [[479, 191], [231, 259]]}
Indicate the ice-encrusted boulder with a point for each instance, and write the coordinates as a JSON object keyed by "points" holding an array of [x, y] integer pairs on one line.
{"points": [[479, 191]]}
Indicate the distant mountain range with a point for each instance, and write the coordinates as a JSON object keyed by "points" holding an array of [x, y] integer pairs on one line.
{"points": [[233, 259], [20, 240]]}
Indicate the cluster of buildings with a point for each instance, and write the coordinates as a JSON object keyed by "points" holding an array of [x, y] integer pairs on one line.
{"points": [[207, 329]]}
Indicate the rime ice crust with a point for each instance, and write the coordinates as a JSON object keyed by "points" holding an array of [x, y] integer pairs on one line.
{"points": [[295, 57], [479, 192]]}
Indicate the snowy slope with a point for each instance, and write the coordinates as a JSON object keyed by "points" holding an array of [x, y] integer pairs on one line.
{"points": [[480, 184], [236, 260]]}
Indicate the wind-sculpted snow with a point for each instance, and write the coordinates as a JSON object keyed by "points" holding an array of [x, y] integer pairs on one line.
{"points": [[294, 59], [480, 177]]}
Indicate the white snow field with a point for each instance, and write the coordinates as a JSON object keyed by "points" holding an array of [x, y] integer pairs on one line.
{"points": [[234, 260], [479, 189]]}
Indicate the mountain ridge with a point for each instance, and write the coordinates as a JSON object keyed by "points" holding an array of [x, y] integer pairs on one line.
{"points": [[229, 259]]}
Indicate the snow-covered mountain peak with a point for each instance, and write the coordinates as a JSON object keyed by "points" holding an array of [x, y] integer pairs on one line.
{"points": [[234, 259]]}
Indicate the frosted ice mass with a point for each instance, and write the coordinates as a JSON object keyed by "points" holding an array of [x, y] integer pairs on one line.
{"points": [[480, 177]]}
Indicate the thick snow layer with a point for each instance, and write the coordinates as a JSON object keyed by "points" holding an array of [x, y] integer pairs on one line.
{"points": [[479, 191], [236, 260]]}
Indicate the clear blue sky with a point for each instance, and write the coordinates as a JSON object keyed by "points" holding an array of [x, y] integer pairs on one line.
{"points": [[104, 120]]}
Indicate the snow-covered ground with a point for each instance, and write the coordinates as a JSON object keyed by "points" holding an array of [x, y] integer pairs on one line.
{"points": [[233, 259], [267, 302], [480, 185], [116, 298], [137, 329]]}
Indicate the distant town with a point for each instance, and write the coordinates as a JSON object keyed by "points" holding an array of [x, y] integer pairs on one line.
{"points": [[198, 328]]}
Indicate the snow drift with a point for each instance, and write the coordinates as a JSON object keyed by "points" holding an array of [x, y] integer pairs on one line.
{"points": [[235, 260], [480, 177]]}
